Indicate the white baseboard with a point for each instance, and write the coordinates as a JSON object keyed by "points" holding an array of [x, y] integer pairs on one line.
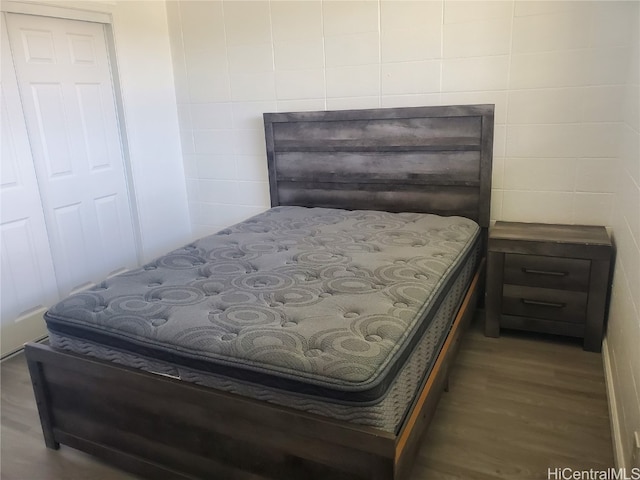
{"points": [[616, 433], [28, 327]]}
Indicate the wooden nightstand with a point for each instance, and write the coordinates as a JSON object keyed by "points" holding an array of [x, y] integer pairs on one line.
{"points": [[548, 278]]}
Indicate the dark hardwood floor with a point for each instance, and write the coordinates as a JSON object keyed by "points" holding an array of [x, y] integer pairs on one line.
{"points": [[517, 405]]}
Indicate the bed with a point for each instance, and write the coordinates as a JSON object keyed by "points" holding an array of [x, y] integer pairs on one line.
{"points": [[296, 344]]}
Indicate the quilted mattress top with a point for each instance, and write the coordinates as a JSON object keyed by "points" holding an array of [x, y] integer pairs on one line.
{"points": [[319, 301]]}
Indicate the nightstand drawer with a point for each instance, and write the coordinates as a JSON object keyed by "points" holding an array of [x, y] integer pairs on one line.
{"points": [[562, 305], [548, 278], [547, 272]]}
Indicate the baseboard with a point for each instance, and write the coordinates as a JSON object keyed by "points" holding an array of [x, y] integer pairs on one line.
{"points": [[19, 350], [616, 434]]}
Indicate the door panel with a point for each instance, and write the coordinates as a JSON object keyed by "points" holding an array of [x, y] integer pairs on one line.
{"points": [[28, 279], [92, 118], [48, 104], [65, 79]]}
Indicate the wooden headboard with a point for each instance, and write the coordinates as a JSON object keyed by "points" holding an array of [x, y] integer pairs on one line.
{"points": [[416, 159]]}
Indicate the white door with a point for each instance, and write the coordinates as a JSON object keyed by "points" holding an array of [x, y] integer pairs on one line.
{"points": [[64, 77], [28, 280]]}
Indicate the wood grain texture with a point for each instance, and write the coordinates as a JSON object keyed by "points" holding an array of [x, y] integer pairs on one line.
{"points": [[550, 279], [599, 292], [547, 303], [418, 159], [424, 408], [584, 241], [388, 197], [156, 422], [589, 235], [155, 426], [517, 406], [537, 324], [493, 293], [547, 272], [455, 168], [427, 159]]}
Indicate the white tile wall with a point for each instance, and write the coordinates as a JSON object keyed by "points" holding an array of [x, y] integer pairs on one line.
{"points": [[470, 11], [496, 97], [410, 100], [251, 87], [353, 81], [563, 76], [212, 55], [490, 37], [251, 167], [541, 7], [245, 23], [248, 142], [407, 44], [213, 141], [554, 31], [250, 58], [210, 115], [410, 77], [605, 66], [542, 174], [553, 69], [305, 105], [536, 206], [207, 81], [346, 103], [214, 167], [596, 175], [545, 140], [345, 17], [611, 24], [592, 208], [248, 115], [352, 49], [299, 54], [475, 73], [410, 31], [293, 21], [300, 84], [604, 104], [601, 140], [547, 106], [408, 14], [566, 68], [206, 25]]}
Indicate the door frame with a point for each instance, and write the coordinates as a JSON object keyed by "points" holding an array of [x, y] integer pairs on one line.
{"points": [[74, 11], [78, 11]]}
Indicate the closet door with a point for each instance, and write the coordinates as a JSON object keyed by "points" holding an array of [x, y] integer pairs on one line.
{"points": [[28, 280], [64, 76]]}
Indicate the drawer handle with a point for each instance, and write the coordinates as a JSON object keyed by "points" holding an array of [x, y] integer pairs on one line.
{"points": [[544, 272], [538, 303]]}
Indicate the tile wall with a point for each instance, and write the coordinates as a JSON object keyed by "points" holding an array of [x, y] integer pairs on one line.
{"points": [[622, 346], [555, 71], [563, 77]]}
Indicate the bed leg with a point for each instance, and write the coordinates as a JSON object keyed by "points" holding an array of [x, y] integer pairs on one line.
{"points": [[42, 400], [446, 383]]}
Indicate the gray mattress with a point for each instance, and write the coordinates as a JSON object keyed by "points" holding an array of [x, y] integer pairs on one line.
{"points": [[324, 304], [387, 414]]}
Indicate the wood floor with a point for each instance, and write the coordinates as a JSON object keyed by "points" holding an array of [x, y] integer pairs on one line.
{"points": [[517, 405]]}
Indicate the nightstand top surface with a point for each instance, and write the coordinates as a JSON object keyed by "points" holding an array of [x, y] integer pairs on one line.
{"points": [[550, 233]]}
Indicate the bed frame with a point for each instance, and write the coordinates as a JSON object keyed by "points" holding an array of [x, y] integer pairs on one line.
{"points": [[425, 159]]}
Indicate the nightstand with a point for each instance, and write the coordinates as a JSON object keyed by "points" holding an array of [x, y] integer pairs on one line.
{"points": [[549, 279]]}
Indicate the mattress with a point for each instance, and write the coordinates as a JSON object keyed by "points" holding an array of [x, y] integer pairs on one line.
{"points": [[387, 414], [321, 303]]}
